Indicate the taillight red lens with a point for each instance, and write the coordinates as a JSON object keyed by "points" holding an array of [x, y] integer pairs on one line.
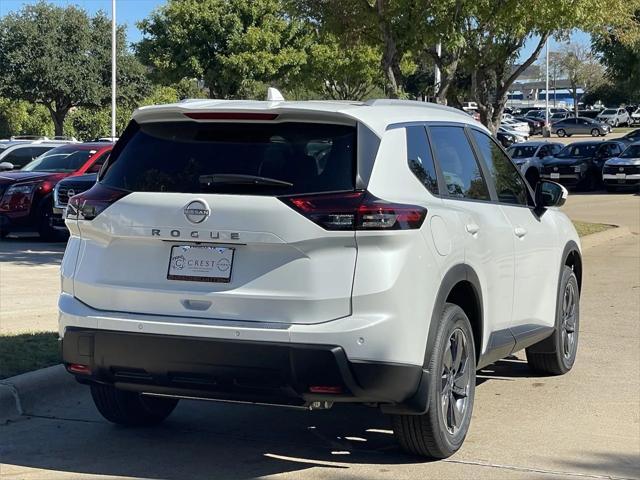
{"points": [[88, 205], [357, 211]]}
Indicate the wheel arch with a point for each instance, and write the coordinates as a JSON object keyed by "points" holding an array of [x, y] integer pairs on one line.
{"points": [[572, 258], [460, 285]]}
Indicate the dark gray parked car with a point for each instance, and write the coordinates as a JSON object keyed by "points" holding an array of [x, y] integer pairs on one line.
{"points": [[580, 125]]}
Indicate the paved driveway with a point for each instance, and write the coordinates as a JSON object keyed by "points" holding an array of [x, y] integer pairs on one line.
{"points": [[582, 425]]}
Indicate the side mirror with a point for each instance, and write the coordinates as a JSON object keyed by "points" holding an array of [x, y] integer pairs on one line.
{"points": [[4, 166], [550, 194]]}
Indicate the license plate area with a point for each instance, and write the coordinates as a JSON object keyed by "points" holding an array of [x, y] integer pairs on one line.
{"points": [[621, 176], [200, 263], [555, 175]]}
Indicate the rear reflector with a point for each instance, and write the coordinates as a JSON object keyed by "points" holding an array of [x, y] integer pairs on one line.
{"points": [[231, 116], [325, 389], [357, 211], [88, 205], [79, 369]]}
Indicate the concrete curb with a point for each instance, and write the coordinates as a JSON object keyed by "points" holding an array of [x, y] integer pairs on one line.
{"points": [[599, 238], [21, 394]]}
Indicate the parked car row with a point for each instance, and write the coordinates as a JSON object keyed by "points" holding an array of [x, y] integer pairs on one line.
{"points": [[586, 165], [26, 195]]}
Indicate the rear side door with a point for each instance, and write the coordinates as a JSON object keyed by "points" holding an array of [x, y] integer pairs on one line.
{"points": [[489, 244], [536, 252]]}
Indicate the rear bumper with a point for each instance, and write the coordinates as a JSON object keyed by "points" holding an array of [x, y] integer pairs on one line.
{"points": [[246, 371]]}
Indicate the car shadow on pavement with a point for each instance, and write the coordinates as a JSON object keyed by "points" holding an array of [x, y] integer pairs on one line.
{"points": [[609, 465], [507, 369], [205, 440], [30, 251]]}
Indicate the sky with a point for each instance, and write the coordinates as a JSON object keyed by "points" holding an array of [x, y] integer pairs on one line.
{"points": [[131, 11]]}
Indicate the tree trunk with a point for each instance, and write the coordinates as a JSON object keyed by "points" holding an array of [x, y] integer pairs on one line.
{"points": [[574, 92], [58, 114], [447, 77], [390, 63]]}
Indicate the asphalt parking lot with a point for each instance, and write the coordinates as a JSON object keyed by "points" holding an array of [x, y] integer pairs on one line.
{"points": [[582, 425]]}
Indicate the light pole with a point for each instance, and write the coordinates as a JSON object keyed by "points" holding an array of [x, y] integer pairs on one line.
{"points": [[547, 132], [113, 68], [437, 77]]}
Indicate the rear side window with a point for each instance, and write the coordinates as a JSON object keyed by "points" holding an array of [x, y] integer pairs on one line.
{"points": [[420, 159], [458, 164], [234, 158], [509, 185]]}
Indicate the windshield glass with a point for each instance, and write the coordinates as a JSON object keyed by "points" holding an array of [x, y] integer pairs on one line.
{"points": [[631, 152], [522, 151], [585, 150], [609, 111], [193, 157], [59, 160]]}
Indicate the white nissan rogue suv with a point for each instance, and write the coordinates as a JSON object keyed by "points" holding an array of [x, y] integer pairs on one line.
{"points": [[311, 253]]}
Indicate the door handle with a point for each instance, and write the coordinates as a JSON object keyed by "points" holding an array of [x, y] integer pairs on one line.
{"points": [[472, 228], [520, 232]]}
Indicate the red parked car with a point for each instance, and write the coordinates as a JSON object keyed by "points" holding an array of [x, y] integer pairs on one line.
{"points": [[26, 195]]}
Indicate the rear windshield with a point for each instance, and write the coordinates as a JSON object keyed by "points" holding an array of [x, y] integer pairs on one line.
{"points": [[609, 111], [234, 158]]}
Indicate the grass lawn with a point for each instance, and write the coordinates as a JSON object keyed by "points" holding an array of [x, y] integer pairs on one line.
{"points": [[28, 351], [586, 228]]}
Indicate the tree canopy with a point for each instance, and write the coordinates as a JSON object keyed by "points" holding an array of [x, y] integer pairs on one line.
{"points": [[59, 57], [231, 45]]}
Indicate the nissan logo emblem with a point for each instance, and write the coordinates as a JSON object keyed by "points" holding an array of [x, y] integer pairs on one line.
{"points": [[196, 211], [621, 169]]}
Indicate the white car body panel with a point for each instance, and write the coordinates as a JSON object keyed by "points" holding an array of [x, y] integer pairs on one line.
{"points": [[370, 292]]}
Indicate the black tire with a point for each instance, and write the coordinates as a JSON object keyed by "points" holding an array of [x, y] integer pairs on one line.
{"points": [[131, 408], [595, 132], [3, 234], [429, 434], [557, 354], [560, 132]]}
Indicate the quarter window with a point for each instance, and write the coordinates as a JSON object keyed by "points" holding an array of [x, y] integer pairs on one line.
{"points": [[420, 159], [459, 167], [509, 184]]}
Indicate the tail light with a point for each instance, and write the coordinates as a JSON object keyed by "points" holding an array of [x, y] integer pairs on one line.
{"points": [[357, 211], [88, 205]]}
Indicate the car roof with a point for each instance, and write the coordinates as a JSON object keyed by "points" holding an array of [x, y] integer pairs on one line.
{"points": [[535, 143], [378, 115], [20, 145]]}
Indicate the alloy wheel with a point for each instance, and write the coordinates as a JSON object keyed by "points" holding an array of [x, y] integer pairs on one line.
{"points": [[455, 381], [569, 320]]}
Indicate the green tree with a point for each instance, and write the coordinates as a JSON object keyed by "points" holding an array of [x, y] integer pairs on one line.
{"points": [[621, 58], [18, 117], [497, 31], [583, 70], [60, 58], [341, 71], [232, 45]]}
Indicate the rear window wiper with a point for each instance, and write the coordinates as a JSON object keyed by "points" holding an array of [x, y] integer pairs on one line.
{"points": [[237, 179]]}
